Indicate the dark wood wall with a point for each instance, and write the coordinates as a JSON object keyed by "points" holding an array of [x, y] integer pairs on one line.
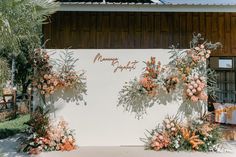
{"points": [[95, 30]]}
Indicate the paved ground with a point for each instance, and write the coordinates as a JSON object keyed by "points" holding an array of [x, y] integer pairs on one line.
{"points": [[130, 152], [8, 148]]}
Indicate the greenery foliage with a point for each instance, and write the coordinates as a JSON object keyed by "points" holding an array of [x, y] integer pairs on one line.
{"points": [[21, 20], [20, 29], [65, 66], [39, 121], [134, 99], [4, 73], [12, 127]]}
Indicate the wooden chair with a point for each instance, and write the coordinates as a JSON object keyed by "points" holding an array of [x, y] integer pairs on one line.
{"points": [[8, 97]]}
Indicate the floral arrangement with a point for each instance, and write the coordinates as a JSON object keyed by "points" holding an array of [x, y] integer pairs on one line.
{"points": [[138, 95], [142, 101], [150, 75], [195, 89], [170, 83], [47, 80], [43, 135], [187, 68], [46, 136], [173, 135]]}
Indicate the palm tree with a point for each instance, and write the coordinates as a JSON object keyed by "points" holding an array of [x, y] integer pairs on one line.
{"points": [[22, 20]]}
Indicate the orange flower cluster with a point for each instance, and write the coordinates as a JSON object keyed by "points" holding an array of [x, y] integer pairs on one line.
{"points": [[170, 83], [206, 129], [174, 135], [194, 56], [149, 78], [68, 78], [57, 138], [195, 89], [149, 85], [192, 138], [159, 141], [47, 84], [67, 145], [171, 126], [183, 68], [46, 80], [153, 69], [199, 54]]}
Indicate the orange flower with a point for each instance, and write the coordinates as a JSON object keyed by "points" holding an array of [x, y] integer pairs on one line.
{"points": [[67, 146], [206, 128], [191, 137], [160, 140]]}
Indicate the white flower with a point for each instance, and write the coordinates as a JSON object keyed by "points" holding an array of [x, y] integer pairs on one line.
{"points": [[31, 143], [161, 137], [167, 121], [201, 53], [168, 126], [177, 146], [195, 77], [40, 148], [202, 46], [202, 78], [154, 138], [208, 51], [197, 48], [188, 90]]}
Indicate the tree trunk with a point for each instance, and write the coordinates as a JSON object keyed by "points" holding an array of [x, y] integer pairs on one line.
{"points": [[13, 69]]}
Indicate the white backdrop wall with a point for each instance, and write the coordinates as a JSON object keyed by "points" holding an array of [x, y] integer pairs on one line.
{"points": [[101, 122]]}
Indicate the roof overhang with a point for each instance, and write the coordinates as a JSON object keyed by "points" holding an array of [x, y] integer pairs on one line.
{"points": [[139, 7]]}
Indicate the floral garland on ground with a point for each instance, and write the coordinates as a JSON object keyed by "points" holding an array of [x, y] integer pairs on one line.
{"points": [[187, 69], [173, 135], [43, 135], [46, 80]]}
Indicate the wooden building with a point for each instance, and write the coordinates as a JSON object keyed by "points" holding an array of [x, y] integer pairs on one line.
{"points": [[148, 24], [93, 29]]}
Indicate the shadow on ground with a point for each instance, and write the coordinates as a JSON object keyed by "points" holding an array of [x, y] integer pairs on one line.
{"points": [[8, 147]]}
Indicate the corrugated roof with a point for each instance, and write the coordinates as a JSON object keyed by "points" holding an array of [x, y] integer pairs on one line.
{"points": [[110, 1], [149, 5], [166, 2], [199, 2]]}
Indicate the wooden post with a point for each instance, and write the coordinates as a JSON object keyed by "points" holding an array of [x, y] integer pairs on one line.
{"points": [[14, 102]]}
